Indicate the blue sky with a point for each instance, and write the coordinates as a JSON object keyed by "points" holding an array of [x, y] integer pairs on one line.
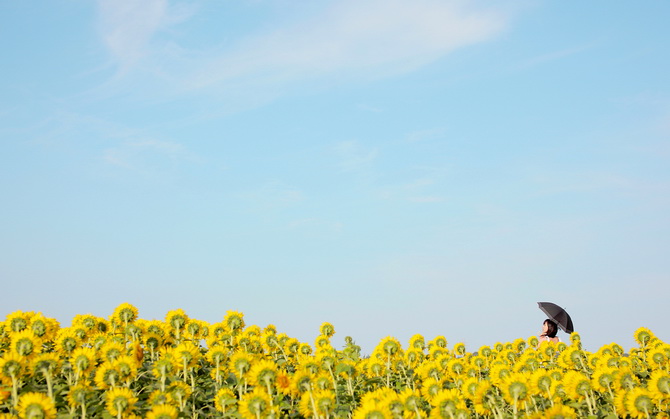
{"points": [[393, 167]]}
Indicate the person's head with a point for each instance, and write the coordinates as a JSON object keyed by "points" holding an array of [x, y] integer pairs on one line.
{"points": [[549, 328]]}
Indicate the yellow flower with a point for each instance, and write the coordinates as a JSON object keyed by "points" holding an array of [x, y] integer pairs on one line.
{"points": [[158, 397], [120, 400], [25, 343], [515, 388], [412, 401], [83, 360], [430, 387], [107, 376], [77, 395], [576, 385], [446, 403], [240, 363], [485, 399], [659, 385], [36, 405], [327, 329], [234, 320], [643, 336], [125, 313], [18, 320], [223, 399], [371, 409], [603, 379], [301, 380], [176, 319], [180, 391], [558, 411], [254, 404], [319, 403], [45, 363], [112, 350], [66, 341], [12, 365], [187, 354], [162, 411], [263, 373], [389, 347], [127, 367], [639, 403]]}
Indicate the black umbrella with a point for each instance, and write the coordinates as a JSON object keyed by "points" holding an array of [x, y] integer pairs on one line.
{"points": [[558, 315]]}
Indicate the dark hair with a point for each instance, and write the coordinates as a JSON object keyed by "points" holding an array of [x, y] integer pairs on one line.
{"points": [[551, 328]]}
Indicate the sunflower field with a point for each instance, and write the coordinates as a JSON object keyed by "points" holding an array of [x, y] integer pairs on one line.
{"points": [[128, 367]]}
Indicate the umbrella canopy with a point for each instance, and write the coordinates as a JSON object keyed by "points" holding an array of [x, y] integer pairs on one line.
{"points": [[558, 315]]}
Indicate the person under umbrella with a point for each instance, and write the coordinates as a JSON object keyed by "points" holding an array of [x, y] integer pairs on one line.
{"points": [[549, 329]]}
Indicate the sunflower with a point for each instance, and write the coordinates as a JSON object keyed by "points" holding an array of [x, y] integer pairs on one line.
{"points": [[162, 411], [558, 411], [254, 405], [180, 391], [263, 373], [25, 343], [540, 382], [83, 360], [240, 363], [158, 397], [46, 363], [12, 365], [187, 354], [66, 341], [389, 347], [176, 320], [414, 356], [372, 410], [107, 376], [317, 403], [120, 401], [446, 402], [112, 350], [18, 320], [127, 367], [576, 385], [486, 399], [224, 399], [533, 342], [234, 320], [659, 385], [327, 329], [36, 405], [515, 388], [603, 379], [643, 336], [124, 314], [77, 395], [417, 342], [430, 387], [639, 403], [412, 401]]}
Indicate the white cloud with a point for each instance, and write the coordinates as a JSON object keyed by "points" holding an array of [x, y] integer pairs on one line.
{"points": [[127, 26], [360, 38], [355, 157], [146, 155], [274, 195]]}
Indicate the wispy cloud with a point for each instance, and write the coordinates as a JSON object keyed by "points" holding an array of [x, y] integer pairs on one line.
{"points": [[423, 135], [354, 157], [355, 38], [274, 195], [127, 26], [419, 191], [145, 154], [557, 55]]}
